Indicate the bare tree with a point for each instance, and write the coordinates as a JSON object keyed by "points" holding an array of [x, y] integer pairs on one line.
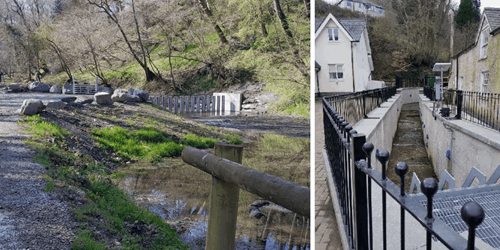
{"points": [[140, 57]]}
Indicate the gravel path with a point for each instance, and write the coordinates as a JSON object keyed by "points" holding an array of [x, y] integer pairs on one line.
{"points": [[29, 217]]}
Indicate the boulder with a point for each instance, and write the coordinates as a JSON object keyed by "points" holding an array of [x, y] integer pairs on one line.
{"points": [[68, 99], [67, 88], [103, 98], [142, 94], [131, 91], [84, 100], [54, 104], [14, 86], [2, 85], [39, 87], [122, 95], [32, 106], [55, 89], [105, 89]]}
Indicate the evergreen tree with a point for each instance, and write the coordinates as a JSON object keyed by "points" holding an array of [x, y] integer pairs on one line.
{"points": [[468, 12]]}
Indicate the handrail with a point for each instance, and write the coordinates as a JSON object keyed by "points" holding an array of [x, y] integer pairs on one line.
{"points": [[282, 192]]}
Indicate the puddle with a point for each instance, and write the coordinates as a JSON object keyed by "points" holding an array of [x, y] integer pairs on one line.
{"points": [[179, 194]]}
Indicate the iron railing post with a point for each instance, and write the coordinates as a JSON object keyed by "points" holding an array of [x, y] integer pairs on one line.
{"points": [[383, 158], [401, 170], [460, 98], [368, 148], [473, 215], [429, 187], [360, 193]]}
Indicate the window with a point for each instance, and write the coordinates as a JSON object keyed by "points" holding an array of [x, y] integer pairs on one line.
{"points": [[349, 4], [335, 71], [484, 44], [333, 34], [485, 82]]}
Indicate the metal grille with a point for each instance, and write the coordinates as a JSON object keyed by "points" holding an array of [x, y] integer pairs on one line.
{"points": [[448, 210]]}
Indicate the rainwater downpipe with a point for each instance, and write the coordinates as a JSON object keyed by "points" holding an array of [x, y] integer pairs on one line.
{"points": [[448, 155], [352, 67]]}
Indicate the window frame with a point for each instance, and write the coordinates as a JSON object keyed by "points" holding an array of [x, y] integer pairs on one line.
{"points": [[335, 39], [339, 75], [484, 81], [484, 44]]}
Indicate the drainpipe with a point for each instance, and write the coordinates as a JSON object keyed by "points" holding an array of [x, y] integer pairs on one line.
{"points": [[450, 166], [352, 66]]}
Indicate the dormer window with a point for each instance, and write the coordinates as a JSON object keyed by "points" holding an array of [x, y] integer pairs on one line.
{"points": [[333, 34], [484, 44]]}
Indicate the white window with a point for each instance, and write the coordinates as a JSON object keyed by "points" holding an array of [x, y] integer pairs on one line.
{"points": [[349, 3], [335, 71], [333, 34], [485, 82], [484, 44]]}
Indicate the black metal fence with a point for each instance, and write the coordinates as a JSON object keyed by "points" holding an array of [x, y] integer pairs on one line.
{"points": [[409, 82], [477, 107], [353, 176], [356, 106]]}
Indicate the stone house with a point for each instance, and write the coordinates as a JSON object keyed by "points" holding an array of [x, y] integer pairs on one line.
{"points": [[476, 68], [343, 56]]}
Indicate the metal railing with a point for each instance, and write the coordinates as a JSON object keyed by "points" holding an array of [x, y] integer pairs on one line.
{"points": [[353, 175], [477, 107], [228, 178], [356, 106], [190, 104]]}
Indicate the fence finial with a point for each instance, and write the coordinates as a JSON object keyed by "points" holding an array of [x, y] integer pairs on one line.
{"points": [[383, 158], [429, 187], [473, 215], [401, 170]]}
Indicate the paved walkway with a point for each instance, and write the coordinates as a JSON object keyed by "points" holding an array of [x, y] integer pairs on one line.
{"points": [[327, 234]]}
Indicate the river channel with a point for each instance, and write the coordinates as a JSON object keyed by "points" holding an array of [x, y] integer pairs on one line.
{"points": [[180, 193]]}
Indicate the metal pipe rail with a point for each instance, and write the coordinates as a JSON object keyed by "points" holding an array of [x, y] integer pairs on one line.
{"points": [[282, 192]]}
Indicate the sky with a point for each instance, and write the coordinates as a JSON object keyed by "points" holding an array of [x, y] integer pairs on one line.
{"points": [[484, 3]]}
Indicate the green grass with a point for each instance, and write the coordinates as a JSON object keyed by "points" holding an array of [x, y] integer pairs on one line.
{"points": [[147, 143], [109, 206]]}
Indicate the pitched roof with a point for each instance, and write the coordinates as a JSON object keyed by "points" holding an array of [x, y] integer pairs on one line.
{"points": [[354, 27], [319, 21], [493, 16]]}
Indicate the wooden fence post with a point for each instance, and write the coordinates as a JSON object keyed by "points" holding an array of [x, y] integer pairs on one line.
{"points": [[224, 197]]}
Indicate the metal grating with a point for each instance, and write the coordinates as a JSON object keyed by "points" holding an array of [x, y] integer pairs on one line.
{"points": [[448, 210]]}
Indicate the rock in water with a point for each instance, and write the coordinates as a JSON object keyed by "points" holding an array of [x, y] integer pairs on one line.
{"points": [[32, 106], [103, 98], [55, 89]]}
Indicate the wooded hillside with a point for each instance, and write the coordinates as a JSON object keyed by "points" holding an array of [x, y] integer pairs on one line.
{"points": [[181, 46]]}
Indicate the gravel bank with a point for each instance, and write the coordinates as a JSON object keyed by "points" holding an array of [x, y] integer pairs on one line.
{"points": [[29, 217]]}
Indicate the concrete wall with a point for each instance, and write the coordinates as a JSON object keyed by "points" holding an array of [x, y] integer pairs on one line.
{"points": [[470, 144], [232, 102], [383, 123]]}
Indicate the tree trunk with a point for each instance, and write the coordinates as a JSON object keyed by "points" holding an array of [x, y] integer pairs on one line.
{"points": [[103, 5], [307, 5], [217, 28], [282, 18], [64, 65]]}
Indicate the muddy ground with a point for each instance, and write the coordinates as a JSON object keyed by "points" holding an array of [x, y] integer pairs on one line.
{"points": [[408, 146]]}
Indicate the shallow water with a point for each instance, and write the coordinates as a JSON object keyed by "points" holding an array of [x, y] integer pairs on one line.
{"points": [[180, 193]]}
